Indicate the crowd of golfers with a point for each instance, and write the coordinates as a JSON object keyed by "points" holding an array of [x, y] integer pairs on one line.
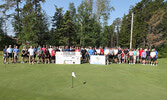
{"points": [[46, 54]]}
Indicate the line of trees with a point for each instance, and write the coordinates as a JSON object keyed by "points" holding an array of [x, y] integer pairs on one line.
{"points": [[86, 25]]}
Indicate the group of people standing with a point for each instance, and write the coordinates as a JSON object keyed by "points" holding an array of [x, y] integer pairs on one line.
{"points": [[46, 54], [129, 56]]}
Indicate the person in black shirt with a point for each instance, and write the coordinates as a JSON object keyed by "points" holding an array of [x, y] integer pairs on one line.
{"points": [[47, 55], [126, 52], [119, 55], [83, 52], [148, 56]]}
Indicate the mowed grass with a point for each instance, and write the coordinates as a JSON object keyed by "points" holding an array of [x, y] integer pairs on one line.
{"points": [[113, 82]]}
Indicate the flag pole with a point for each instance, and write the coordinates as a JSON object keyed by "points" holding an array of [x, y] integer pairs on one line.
{"points": [[72, 82]]}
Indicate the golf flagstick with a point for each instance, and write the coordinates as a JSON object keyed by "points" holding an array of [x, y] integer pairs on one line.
{"points": [[73, 75]]}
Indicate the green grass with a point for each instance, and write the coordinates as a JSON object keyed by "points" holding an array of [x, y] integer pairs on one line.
{"points": [[113, 82]]}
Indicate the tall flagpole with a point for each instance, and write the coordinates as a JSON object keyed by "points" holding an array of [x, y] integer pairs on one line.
{"points": [[131, 31]]}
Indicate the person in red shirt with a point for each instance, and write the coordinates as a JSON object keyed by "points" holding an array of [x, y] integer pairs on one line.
{"points": [[140, 52], [101, 51], [43, 49], [77, 49], [123, 56], [53, 54]]}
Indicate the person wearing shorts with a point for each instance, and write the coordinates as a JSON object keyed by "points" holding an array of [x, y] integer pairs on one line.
{"points": [[115, 55], [134, 56], [111, 55], [9, 54], [152, 56], [43, 49], [47, 56], [119, 55], [126, 52], [156, 56], [140, 52], [130, 56], [143, 55], [16, 54], [40, 55], [137, 56], [148, 56], [106, 53], [53, 55], [4, 53], [23, 54], [123, 56], [31, 55]]}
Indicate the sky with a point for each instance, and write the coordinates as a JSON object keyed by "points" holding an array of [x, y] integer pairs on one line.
{"points": [[121, 8]]}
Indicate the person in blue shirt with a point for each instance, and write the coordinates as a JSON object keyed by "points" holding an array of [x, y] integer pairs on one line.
{"points": [[9, 54], [156, 62], [4, 53], [90, 52], [67, 49], [16, 54]]}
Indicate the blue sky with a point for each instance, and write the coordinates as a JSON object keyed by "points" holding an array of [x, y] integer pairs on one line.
{"points": [[121, 7]]}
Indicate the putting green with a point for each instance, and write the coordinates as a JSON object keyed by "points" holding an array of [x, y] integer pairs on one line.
{"points": [[113, 82]]}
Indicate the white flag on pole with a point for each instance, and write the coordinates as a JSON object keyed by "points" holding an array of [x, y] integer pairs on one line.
{"points": [[73, 74]]}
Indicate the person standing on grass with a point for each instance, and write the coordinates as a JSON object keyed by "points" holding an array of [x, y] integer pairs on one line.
{"points": [[148, 56], [115, 55], [106, 53], [40, 55], [53, 55], [47, 55], [156, 56], [143, 55], [140, 52], [23, 54], [119, 55], [35, 53], [4, 53], [9, 54], [90, 52], [134, 56], [16, 54], [152, 56], [31, 55], [130, 56], [43, 49], [13, 53], [137, 56], [123, 56], [50, 50], [126, 52]]}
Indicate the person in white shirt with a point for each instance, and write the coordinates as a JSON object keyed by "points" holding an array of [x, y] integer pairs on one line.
{"points": [[31, 55], [115, 54], [152, 55], [106, 53], [98, 51]]}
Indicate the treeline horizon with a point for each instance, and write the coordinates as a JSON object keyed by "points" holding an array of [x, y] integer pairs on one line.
{"points": [[86, 25]]}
